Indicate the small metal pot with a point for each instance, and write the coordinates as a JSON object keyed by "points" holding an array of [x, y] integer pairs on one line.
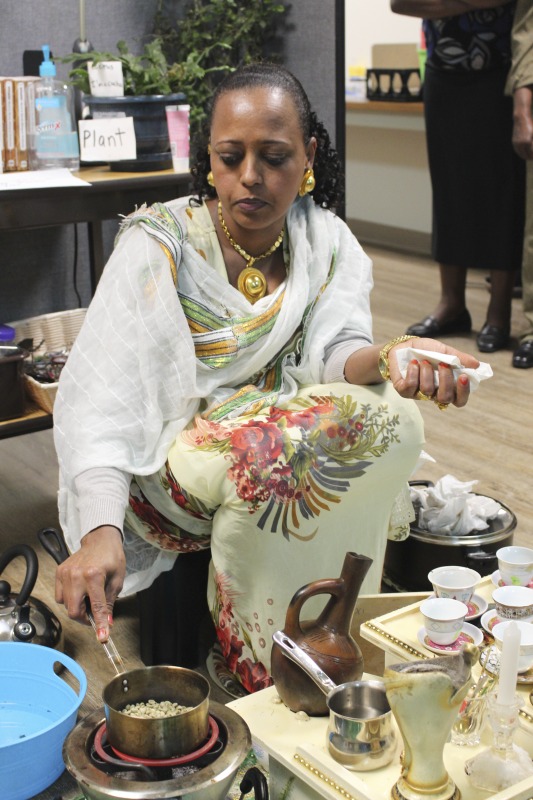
{"points": [[157, 738], [361, 734]]}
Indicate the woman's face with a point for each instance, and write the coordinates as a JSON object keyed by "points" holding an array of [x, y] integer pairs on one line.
{"points": [[258, 157]]}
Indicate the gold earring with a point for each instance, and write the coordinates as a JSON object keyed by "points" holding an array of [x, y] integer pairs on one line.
{"points": [[210, 179], [308, 183]]}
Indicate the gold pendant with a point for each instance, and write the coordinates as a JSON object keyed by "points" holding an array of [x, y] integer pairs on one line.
{"points": [[252, 284]]}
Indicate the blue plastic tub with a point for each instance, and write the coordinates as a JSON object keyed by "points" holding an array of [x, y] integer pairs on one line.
{"points": [[38, 708]]}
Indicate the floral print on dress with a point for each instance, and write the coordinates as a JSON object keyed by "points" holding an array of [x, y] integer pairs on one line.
{"points": [[233, 638], [287, 467], [294, 464], [158, 529]]}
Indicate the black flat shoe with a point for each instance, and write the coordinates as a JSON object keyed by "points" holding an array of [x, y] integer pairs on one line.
{"points": [[491, 338], [430, 327], [523, 355]]}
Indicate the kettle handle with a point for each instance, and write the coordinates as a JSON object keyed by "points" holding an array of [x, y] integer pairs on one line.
{"points": [[32, 569], [53, 542]]}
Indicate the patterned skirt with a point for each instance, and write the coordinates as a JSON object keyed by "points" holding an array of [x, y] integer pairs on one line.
{"points": [[280, 497]]}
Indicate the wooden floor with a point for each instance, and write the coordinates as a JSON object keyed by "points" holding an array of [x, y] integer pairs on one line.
{"points": [[491, 440]]}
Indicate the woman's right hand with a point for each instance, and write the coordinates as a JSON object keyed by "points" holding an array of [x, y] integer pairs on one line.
{"points": [[95, 572]]}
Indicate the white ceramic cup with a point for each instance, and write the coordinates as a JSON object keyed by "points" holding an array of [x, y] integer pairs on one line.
{"points": [[457, 583], [443, 618], [514, 602], [525, 659], [515, 565]]}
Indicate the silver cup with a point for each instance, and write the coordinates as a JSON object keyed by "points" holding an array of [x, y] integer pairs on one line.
{"points": [[361, 734]]}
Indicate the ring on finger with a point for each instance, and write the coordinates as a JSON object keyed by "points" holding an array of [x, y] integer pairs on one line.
{"points": [[421, 396], [441, 406]]}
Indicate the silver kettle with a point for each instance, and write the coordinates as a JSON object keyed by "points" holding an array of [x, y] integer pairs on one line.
{"points": [[24, 618]]}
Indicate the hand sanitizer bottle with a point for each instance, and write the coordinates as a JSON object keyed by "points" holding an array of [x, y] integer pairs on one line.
{"points": [[55, 141]]}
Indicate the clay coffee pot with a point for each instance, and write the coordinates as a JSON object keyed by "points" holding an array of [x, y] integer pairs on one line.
{"points": [[327, 639]]}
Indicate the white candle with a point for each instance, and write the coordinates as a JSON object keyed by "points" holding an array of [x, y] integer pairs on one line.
{"points": [[82, 20], [509, 665]]}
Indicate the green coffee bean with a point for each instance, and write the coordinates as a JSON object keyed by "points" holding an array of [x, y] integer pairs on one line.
{"points": [[153, 709]]}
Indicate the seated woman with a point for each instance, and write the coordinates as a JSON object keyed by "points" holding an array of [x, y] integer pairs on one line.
{"points": [[225, 392]]}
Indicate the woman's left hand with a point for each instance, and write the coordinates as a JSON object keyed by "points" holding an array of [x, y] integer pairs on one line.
{"points": [[419, 382]]}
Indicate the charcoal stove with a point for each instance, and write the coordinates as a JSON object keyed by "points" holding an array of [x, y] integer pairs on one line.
{"points": [[103, 773]]}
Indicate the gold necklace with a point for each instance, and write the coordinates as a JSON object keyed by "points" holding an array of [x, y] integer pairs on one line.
{"points": [[251, 281]]}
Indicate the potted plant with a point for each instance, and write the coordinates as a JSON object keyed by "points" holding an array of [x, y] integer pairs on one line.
{"points": [[181, 63], [148, 89]]}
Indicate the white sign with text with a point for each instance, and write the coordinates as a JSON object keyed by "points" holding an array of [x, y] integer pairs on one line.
{"points": [[108, 139], [106, 79]]}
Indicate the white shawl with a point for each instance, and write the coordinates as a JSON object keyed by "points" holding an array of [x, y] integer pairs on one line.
{"points": [[132, 381]]}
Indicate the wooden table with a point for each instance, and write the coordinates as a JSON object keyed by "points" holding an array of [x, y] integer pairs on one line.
{"points": [[108, 195]]}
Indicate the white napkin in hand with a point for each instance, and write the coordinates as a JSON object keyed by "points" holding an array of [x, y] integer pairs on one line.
{"points": [[451, 508], [406, 354]]}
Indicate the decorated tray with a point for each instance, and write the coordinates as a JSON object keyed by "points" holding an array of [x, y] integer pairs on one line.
{"points": [[398, 635]]}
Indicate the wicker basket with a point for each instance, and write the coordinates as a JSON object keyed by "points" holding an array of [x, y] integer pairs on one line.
{"points": [[43, 394], [50, 333]]}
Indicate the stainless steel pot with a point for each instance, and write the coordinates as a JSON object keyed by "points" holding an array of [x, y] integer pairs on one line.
{"points": [[408, 562], [360, 733], [157, 738]]}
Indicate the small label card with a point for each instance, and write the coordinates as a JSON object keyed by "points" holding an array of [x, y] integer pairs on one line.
{"points": [[106, 79], [108, 139]]}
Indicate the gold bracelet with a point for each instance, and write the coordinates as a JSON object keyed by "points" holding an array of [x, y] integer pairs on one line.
{"points": [[383, 360]]}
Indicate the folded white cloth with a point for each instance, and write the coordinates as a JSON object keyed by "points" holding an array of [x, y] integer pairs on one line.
{"points": [[406, 354], [450, 507]]}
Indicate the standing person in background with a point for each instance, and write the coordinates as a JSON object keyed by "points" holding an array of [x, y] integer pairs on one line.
{"points": [[477, 179], [521, 85]]}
